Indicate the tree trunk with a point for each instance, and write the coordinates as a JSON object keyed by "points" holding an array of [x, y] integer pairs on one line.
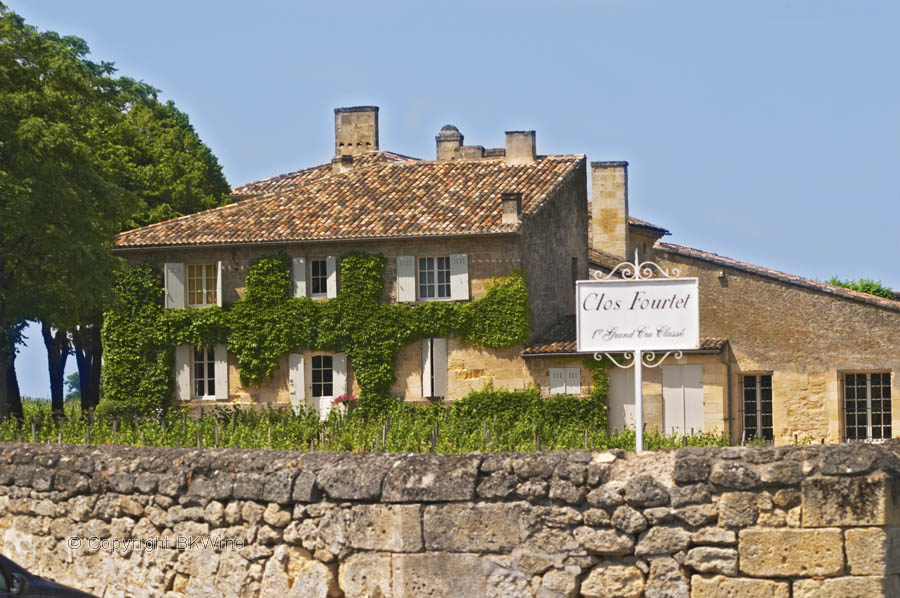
{"points": [[58, 350], [10, 400], [88, 354]]}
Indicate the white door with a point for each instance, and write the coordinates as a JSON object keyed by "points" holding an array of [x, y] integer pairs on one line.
{"points": [[682, 399], [621, 398]]}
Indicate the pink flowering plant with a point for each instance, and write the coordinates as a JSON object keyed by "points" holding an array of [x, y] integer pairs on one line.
{"points": [[345, 399]]}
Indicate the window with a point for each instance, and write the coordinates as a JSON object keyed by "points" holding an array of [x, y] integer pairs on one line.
{"points": [[757, 394], [867, 406], [322, 376], [565, 381], [434, 278], [204, 378], [202, 284], [318, 276], [434, 368]]}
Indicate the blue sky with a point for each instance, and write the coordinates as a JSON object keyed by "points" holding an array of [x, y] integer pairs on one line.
{"points": [[764, 131]]}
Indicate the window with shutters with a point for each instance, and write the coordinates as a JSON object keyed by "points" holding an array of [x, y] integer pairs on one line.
{"points": [[202, 282], [204, 373], [756, 390], [867, 406], [322, 370], [434, 278], [318, 277], [565, 381]]}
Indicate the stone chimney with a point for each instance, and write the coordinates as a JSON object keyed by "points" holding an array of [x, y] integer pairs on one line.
{"points": [[520, 147], [342, 164], [609, 207], [512, 207], [447, 141], [355, 130]]}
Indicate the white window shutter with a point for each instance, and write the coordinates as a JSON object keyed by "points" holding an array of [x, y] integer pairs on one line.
{"points": [[427, 381], [459, 276], [339, 374], [573, 381], [331, 271], [221, 371], [439, 361], [406, 278], [219, 283], [307, 380], [174, 283], [296, 374], [183, 372], [557, 381], [300, 277]]}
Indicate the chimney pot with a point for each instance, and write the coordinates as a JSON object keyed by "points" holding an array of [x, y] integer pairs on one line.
{"points": [[520, 147], [512, 207], [355, 130], [447, 141]]}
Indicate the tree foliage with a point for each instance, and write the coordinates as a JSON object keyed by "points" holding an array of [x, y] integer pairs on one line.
{"points": [[864, 285]]}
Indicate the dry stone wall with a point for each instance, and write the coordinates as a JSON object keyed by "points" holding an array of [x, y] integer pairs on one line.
{"points": [[816, 521]]}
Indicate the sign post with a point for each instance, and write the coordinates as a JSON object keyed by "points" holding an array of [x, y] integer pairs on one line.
{"points": [[637, 315]]}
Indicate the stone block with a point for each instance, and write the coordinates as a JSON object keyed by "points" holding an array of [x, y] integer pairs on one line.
{"points": [[607, 542], [734, 475], [607, 496], [644, 491], [663, 539], [781, 473], [787, 552], [488, 527], [855, 501], [438, 575], [666, 579], [737, 509], [704, 586], [708, 559], [391, 528], [432, 478], [873, 550], [698, 515], [305, 487], [497, 485], [692, 494], [355, 477], [619, 580], [714, 536], [628, 520], [847, 587], [365, 575], [277, 486], [691, 468]]}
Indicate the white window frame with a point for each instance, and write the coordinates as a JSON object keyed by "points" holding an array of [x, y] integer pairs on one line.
{"points": [[204, 279], [208, 359], [436, 285], [869, 428], [758, 388], [313, 369], [313, 277]]}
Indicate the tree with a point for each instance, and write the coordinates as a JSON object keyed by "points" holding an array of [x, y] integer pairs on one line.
{"points": [[73, 387], [83, 155], [172, 173], [864, 285]]}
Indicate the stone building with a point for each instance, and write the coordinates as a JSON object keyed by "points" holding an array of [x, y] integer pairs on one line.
{"points": [[781, 357]]}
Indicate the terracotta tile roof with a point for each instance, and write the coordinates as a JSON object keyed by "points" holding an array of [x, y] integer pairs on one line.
{"points": [[392, 197], [560, 339], [602, 259], [297, 178], [799, 281], [648, 225]]}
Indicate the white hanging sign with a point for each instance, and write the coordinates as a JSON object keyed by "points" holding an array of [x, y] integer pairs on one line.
{"points": [[659, 314]]}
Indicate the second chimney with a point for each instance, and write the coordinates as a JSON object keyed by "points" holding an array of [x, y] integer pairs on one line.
{"points": [[512, 207], [609, 207], [520, 147], [355, 130]]}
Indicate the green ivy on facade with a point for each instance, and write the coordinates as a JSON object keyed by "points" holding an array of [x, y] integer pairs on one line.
{"points": [[140, 335]]}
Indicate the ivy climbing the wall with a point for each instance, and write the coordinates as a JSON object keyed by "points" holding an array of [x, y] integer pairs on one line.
{"points": [[139, 335]]}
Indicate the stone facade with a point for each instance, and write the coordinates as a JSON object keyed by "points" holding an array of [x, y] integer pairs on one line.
{"points": [[806, 338], [819, 521]]}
